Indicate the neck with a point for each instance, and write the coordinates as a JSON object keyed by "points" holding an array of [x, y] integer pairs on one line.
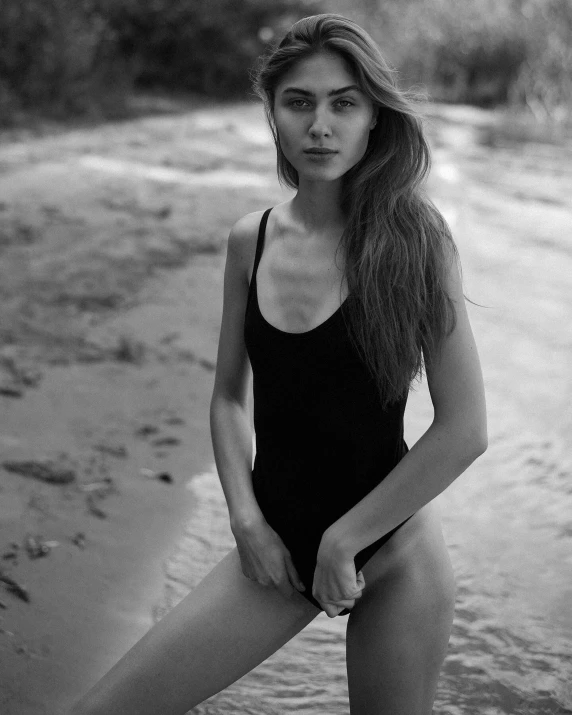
{"points": [[317, 206]]}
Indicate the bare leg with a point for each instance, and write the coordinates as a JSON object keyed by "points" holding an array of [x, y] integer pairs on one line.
{"points": [[224, 628], [398, 632]]}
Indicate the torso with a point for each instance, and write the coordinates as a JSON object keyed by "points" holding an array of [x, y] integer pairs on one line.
{"points": [[300, 278], [323, 439], [299, 287]]}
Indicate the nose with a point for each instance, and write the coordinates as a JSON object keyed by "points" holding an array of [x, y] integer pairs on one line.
{"points": [[320, 126]]}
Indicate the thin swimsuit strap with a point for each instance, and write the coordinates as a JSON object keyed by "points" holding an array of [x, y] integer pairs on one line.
{"points": [[259, 249], [253, 301]]}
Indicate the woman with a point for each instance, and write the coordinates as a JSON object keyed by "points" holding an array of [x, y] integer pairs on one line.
{"points": [[335, 514]]}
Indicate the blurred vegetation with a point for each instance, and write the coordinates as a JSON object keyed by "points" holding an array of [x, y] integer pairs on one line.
{"points": [[74, 57], [205, 46], [59, 57], [484, 52]]}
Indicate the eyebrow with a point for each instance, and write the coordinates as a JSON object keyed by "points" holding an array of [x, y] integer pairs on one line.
{"points": [[333, 93]]}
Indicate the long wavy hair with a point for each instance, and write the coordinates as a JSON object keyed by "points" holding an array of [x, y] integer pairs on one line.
{"points": [[397, 244]]}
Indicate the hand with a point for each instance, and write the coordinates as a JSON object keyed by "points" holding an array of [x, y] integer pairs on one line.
{"points": [[336, 585], [265, 559]]}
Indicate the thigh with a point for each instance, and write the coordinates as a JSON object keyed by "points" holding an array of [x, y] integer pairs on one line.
{"points": [[220, 631], [398, 631]]}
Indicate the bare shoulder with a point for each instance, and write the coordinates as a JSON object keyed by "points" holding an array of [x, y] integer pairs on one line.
{"points": [[242, 238], [231, 378]]}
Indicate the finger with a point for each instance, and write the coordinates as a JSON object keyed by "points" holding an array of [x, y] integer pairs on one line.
{"points": [[352, 594], [343, 603], [285, 588], [346, 597], [338, 606], [360, 581], [332, 610], [360, 585], [329, 610], [281, 581], [295, 580]]}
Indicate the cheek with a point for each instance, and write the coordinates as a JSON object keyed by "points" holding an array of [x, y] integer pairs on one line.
{"points": [[283, 130], [361, 139], [287, 137]]}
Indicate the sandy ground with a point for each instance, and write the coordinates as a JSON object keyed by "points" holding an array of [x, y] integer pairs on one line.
{"points": [[112, 241], [112, 245]]}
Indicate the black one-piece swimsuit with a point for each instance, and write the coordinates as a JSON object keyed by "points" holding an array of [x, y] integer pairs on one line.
{"points": [[323, 440]]}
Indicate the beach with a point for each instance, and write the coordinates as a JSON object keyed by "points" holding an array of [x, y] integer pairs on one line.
{"points": [[112, 240]]}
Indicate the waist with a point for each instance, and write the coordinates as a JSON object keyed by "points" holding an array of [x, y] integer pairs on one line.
{"points": [[345, 414], [317, 458], [300, 487]]}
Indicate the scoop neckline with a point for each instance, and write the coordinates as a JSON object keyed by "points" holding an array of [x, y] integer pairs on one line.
{"points": [[254, 280], [303, 332]]}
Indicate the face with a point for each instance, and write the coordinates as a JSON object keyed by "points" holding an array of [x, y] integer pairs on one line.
{"points": [[319, 105]]}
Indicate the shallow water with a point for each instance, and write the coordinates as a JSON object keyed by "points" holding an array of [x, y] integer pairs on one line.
{"points": [[508, 519]]}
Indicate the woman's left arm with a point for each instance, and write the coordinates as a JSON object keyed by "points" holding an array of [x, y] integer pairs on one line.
{"points": [[455, 438]]}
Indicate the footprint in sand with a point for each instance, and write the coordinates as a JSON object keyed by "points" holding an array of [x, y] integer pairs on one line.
{"points": [[167, 441]]}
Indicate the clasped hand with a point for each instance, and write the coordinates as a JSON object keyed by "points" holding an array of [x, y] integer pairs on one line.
{"points": [[336, 585]]}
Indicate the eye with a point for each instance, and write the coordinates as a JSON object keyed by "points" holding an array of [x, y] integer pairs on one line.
{"points": [[346, 103], [295, 103]]}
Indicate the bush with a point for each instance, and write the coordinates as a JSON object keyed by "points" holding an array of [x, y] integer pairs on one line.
{"points": [[484, 52], [59, 57], [544, 82], [65, 57], [206, 46], [69, 57]]}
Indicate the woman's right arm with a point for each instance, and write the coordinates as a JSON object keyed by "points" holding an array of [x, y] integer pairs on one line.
{"points": [[229, 416], [264, 557]]}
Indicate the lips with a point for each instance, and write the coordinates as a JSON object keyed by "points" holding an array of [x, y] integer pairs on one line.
{"points": [[319, 150]]}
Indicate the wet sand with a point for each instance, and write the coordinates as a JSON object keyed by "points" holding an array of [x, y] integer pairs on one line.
{"points": [[126, 431]]}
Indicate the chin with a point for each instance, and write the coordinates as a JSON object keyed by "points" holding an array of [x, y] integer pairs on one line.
{"points": [[321, 174]]}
